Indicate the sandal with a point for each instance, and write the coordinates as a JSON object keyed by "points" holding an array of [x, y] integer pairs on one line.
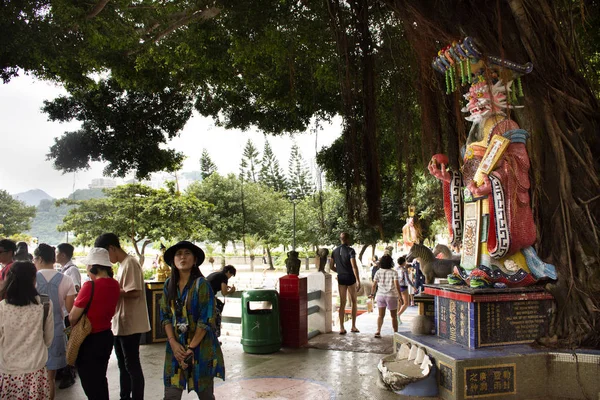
{"points": [[377, 335], [343, 332], [354, 330]]}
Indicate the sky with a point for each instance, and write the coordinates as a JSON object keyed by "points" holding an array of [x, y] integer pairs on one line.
{"points": [[26, 136]]}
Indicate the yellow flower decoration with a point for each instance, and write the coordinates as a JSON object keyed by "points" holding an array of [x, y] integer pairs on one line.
{"points": [[469, 153]]}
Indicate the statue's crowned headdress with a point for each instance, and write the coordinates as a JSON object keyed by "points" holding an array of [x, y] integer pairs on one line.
{"points": [[490, 78]]}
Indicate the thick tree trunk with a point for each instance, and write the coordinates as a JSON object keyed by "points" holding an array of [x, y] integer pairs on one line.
{"points": [[362, 252], [223, 247], [271, 266]]}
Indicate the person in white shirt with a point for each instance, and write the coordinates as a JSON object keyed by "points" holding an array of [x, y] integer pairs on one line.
{"points": [[61, 290], [385, 284], [64, 256], [26, 332]]}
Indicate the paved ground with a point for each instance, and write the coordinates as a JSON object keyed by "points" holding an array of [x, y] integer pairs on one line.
{"points": [[304, 373]]}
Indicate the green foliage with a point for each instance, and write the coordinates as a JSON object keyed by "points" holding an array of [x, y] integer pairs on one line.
{"points": [[15, 216], [250, 165], [137, 213], [207, 166], [114, 119], [47, 219], [149, 274], [225, 219], [271, 174], [299, 178], [50, 215], [266, 211]]}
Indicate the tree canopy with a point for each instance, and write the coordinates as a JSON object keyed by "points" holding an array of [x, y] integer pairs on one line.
{"points": [[138, 214], [207, 166]]}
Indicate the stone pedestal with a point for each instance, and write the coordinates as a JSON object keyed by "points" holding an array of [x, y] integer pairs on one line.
{"points": [[293, 310], [490, 317], [322, 320], [508, 372]]}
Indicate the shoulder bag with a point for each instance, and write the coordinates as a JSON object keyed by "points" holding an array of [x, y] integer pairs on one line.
{"points": [[78, 333]]}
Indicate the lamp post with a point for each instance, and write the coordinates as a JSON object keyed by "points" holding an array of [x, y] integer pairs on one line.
{"points": [[293, 198]]}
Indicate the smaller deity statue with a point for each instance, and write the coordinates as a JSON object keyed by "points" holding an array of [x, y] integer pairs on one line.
{"points": [[163, 271], [410, 233], [292, 263]]}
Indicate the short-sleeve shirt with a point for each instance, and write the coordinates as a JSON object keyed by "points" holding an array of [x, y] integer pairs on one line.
{"points": [[132, 313], [71, 270], [385, 282], [216, 279], [65, 288], [104, 303], [341, 257]]}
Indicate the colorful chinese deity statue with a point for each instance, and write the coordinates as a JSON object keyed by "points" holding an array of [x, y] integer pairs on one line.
{"points": [[487, 202]]}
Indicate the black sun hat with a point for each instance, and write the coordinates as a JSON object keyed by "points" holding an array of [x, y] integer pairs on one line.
{"points": [[184, 244]]}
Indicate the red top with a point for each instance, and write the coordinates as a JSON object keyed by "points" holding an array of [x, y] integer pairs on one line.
{"points": [[104, 303], [4, 272]]}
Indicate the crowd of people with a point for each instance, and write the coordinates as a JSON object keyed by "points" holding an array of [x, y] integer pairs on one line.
{"points": [[40, 302]]}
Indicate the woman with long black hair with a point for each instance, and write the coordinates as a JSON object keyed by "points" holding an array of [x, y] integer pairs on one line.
{"points": [[188, 314], [26, 333]]}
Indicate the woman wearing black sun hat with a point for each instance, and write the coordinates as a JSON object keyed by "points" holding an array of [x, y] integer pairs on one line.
{"points": [[187, 313]]}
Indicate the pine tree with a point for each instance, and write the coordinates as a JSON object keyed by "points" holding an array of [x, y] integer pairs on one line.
{"points": [[250, 165], [207, 166], [298, 175], [271, 173]]}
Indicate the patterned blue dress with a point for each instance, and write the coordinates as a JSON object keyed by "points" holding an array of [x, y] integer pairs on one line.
{"points": [[195, 307]]}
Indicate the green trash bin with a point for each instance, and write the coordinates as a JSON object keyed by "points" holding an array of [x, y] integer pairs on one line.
{"points": [[261, 331]]}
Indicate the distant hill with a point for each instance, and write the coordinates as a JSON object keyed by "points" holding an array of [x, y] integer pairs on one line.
{"points": [[48, 216], [33, 197]]}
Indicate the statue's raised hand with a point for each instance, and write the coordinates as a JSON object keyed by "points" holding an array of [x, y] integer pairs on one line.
{"points": [[437, 167]]}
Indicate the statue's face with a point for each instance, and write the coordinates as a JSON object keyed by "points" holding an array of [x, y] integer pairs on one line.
{"points": [[482, 101]]}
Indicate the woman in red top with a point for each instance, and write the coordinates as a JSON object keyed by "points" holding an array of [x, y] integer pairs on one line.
{"points": [[103, 292]]}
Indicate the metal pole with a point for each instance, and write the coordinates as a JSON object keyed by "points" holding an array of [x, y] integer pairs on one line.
{"points": [[294, 237]]}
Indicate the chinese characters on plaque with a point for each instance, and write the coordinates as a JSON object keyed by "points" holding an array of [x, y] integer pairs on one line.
{"points": [[483, 381]]}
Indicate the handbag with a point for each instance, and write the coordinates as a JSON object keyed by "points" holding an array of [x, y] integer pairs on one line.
{"points": [[78, 333]]}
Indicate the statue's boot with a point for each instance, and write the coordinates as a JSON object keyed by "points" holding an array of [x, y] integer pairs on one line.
{"points": [[459, 276]]}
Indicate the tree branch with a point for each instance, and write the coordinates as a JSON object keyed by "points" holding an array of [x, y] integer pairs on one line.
{"points": [[97, 9], [208, 13]]}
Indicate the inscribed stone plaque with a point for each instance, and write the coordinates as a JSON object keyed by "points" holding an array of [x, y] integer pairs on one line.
{"points": [[445, 376], [453, 320], [512, 322], [490, 381]]}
